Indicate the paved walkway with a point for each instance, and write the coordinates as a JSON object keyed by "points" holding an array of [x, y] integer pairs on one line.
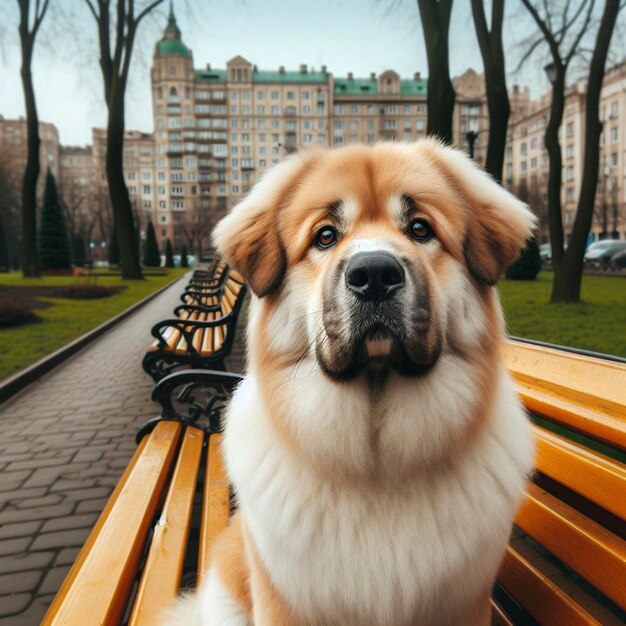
{"points": [[64, 442]]}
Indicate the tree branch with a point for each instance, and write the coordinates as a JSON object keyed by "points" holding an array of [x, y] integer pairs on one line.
{"points": [[581, 33]]}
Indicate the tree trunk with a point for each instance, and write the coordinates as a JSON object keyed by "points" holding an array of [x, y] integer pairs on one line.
{"points": [[567, 282], [120, 200], [30, 265], [435, 17], [555, 174], [495, 81]]}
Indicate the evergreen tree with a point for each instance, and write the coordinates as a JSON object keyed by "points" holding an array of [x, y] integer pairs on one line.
{"points": [[184, 261], [4, 250], [151, 256], [54, 245], [528, 264], [169, 255], [114, 250]]}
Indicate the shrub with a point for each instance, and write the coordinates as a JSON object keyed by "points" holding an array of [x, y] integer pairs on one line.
{"points": [[169, 255], [527, 265], [184, 261], [152, 256], [82, 291], [14, 315], [54, 245]]}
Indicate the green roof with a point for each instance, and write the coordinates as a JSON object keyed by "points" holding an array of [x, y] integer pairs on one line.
{"points": [[173, 46], [172, 42], [210, 76], [367, 86], [269, 76]]}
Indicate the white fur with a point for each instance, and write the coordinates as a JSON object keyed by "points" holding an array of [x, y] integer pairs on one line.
{"points": [[384, 512]]}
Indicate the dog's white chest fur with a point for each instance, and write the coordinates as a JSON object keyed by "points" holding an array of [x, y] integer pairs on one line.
{"points": [[412, 553]]}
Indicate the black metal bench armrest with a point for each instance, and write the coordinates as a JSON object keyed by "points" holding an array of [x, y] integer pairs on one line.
{"points": [[201, 393]]}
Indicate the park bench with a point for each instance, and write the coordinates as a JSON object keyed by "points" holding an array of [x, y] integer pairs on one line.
{"points": [[203, 330], [565, 565]]}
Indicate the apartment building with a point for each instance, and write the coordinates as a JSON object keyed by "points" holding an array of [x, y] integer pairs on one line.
{"points": [[13, 150]]}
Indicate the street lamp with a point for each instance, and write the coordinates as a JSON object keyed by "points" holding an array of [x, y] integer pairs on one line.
{"points": [[550, 71]]}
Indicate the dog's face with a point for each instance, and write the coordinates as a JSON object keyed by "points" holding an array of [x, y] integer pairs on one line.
{"points": [[365, 256]]}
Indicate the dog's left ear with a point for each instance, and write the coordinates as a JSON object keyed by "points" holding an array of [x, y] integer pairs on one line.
{"points": [[498, 224], [249, 238]]}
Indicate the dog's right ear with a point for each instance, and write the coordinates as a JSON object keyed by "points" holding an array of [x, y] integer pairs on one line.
{"points": [[248, 237]]}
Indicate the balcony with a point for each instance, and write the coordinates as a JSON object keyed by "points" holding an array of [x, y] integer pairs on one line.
{"points": [[290, 111]]}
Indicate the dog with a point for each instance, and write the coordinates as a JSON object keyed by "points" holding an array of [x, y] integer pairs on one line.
{"points": [[376, 446]]}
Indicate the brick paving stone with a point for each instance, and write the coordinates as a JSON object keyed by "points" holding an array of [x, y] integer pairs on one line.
{"points": [[14, 603], [14, 545], [65, 441], [24, 581], [22, 529]]}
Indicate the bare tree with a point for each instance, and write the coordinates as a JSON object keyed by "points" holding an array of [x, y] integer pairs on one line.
{"points": [[197, 226], [492, 51], [32, 13], [435, 17], [563, 41], [116, 37]]}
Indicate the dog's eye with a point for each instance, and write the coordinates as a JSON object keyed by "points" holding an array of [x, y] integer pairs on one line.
{"points": [[326, 237], [421, 230]]}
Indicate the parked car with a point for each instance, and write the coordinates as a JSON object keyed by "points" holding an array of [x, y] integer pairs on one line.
{"points": [[599, 253], [618, 260]]}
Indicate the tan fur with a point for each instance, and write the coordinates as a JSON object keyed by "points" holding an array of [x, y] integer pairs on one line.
{"points": [[327, 473]]}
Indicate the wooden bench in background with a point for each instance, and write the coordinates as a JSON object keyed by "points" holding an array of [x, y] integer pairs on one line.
{"points": [[203, 330], [565, 566]]}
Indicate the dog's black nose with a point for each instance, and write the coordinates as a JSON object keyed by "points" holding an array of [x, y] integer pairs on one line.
{"points": [[374, 276]]}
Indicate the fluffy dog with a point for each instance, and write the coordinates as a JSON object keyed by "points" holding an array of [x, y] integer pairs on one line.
{"points": [[376, 446]]}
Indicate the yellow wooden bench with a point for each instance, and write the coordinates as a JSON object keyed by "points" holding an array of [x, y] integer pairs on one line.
{"points": [[566, 564], [203, 330]]}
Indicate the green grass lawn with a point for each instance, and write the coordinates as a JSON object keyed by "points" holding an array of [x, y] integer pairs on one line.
{"points": [[67, 319], [597, 323]]}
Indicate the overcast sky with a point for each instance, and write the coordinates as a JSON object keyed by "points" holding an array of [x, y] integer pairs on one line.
{"points": [[360, 36]]}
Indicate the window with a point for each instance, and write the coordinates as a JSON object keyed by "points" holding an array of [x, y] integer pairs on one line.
{"points": [[275, 124], [274, 95], [523, 166], [161, 175], [419, 125], [132, 190], [147, 204], [533, 143], [354, 109], [162, 204], [146, 176], [161, 191], [172, 70], [569, 151], [533, 163], [260, 110], [275, 110], [177, 191], [245, 95], [177, 204], [523, 149], [177, 177], [305, 95], [146, 189], [569, 173], [262, 150], [260, 95], [614, 134], [306, 109], [291, 95], [262, 163], [131, 175], [569, 129], [614, 110]]}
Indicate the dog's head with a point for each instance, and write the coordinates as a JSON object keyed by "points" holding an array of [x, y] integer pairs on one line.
{"points": [[373, 258]]}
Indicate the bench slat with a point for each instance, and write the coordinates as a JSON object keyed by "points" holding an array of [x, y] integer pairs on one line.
{"points": [[216, 503], [498, 616], [596, 554], [540, 596], [164, 566], [584, 393], [98, 586], [591, 474]]}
